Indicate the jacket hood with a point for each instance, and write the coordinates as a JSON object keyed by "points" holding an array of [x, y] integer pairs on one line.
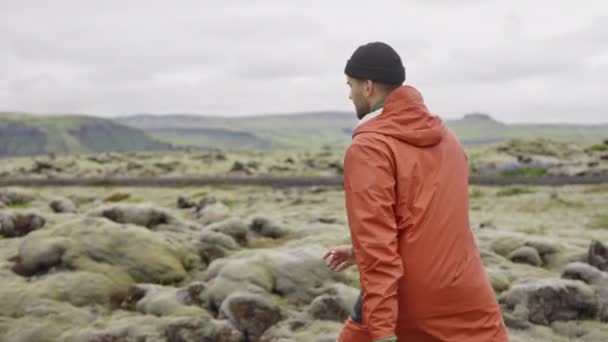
{"points": [[405, 117]]}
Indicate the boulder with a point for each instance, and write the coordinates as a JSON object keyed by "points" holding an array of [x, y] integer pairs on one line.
{"points": [[585, 272], [185, 202], [16, 224], [231, 275], [15, 196], [505, 245], [122, 252], [267, 228], [296, 273], [548, 300], [139, 214], [251, 313], [202, 330], [151, 299], [213, 245], [300, 330], [240, 167], [335, 303], [329, 307], [233, 227], [597, 279], [214, 212], [598, 255], [299, 271], [38, 256], [526, 255], [62, 205]]}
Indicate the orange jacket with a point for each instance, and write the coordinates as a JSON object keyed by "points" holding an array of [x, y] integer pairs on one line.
{"points": [[406, 184]]}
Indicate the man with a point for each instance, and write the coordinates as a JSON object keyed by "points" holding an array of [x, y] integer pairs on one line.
{"points": [[406, 186]]}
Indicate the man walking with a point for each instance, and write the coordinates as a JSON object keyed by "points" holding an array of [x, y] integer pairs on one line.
{"points": [[406, 186]]}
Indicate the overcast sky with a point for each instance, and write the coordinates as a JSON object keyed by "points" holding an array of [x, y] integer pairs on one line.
{"points": [[519, 60]]}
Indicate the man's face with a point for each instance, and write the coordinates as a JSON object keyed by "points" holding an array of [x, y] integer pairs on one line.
{"points": [[358, 96]]}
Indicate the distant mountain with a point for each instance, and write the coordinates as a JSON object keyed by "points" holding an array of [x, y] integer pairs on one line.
{"points": [[26, 135], [325, 128]]}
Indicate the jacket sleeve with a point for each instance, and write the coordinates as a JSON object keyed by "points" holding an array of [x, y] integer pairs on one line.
{"points": [[369, 183]]}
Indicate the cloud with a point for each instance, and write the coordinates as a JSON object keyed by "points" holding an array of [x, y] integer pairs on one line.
{"points": [[518, 60]]}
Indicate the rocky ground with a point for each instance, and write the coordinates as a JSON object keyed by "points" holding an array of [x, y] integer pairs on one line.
{"points": [[244, 263], [534, 158], [540, 157]]}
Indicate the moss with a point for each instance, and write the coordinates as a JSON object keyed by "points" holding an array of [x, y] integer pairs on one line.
{"points": [[19, 205], [117, 197], [596, 189], [281, 301], [598, 148], [200, 194], [77, 288], [538, 230], [134, 200], [476, 193], [599, 221], [506, 244], [514, 191], [499, 281], [119, 250], [560, 202], [230, 203]]}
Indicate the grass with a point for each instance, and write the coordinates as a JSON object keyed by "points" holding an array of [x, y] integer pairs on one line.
{"points": [[538, 230], [200, 194], [19, 205], [230, 202], [557, 201], [596, 189], [599, 221], [117, 197], [514, 191], [476, 193], [598, 148]]}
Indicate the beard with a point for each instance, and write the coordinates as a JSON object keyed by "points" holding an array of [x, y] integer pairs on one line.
{"points": [[362, 109]]}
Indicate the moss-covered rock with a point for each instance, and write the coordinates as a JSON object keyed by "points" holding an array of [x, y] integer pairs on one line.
{"points": [[213, 245], [498, 279], [214, 212], [267, 228], [18, 223], [202, 330], [139, 214], [251, 313], [62, 205], [151, 299], [233, 227], [16, 196], [505, 245], [96, 245], [548, 300]]}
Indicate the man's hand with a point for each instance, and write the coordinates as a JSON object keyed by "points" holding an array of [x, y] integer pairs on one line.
{"points": [[340, 258]]}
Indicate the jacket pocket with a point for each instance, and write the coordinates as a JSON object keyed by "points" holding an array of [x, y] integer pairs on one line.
{"points": [[354, 332]]}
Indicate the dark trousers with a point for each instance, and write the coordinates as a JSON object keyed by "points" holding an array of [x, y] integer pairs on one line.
{"points": [[357, 314]]}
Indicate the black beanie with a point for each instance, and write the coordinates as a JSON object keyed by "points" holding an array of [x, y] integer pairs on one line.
{"points": [[376, 62]]}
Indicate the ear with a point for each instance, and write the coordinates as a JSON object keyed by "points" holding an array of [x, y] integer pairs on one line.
{"points": [[369, 88]]}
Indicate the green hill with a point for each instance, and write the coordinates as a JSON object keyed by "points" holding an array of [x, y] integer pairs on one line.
{"points": [[299, 130], [26, 135]]}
